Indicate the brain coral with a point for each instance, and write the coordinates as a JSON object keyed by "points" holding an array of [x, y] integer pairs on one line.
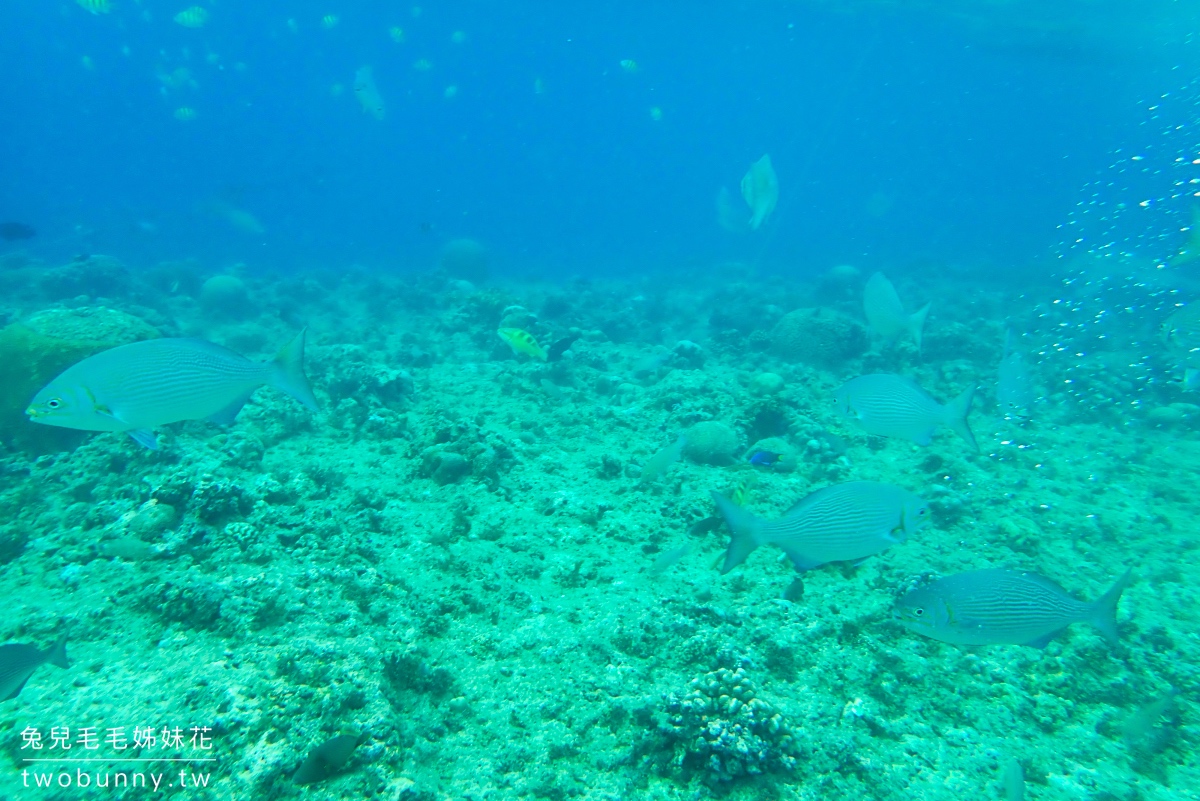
{"points": [[819, 337], [710, 442]]}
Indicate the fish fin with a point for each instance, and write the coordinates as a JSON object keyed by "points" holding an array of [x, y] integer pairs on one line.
{"points": [[743, 527], [289, 375], [144, 437], [800, 561], [17, 691], [58, 653], [916, 324], [956, 416], [1104, 610], [924, 438], [226, 416], [1044, 640]]}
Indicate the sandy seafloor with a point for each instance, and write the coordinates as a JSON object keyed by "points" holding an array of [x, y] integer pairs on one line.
{"points": [[455, 555]]}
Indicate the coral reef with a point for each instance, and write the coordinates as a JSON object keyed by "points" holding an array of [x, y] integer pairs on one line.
{"points": [[724, 730], [820, 337], [462, 554], [710, 442]]}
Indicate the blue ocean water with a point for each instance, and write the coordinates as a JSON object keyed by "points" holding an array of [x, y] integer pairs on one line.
{"points": [[594, 491], [975, 135]]}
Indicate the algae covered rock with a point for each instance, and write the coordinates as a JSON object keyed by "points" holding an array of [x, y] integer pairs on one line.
{"points": [[820, 337], [710, 442], [35, 350]]}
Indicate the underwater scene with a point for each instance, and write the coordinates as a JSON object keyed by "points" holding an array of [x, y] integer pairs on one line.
{"points": [[640, 400]]}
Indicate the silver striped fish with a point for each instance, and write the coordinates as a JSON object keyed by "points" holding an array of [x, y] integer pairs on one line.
{"points": [[999, 606], [137, 387], [19, 660], [834, 524], [885, 313], [891, 405]]}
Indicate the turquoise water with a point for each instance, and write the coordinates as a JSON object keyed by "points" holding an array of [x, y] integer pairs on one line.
{"points": [[554, 298]]}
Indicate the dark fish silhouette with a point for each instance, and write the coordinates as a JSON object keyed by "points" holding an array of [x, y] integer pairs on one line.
{"points": [[326, 759], [12, 231], [555, 351]]}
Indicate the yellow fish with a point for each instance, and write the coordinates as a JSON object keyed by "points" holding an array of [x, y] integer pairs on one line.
{"points": [[329, 21], [95, 6], [193, 17], [397, 34], [522, 342], [629, 65], [741, 490], [185, 114]]}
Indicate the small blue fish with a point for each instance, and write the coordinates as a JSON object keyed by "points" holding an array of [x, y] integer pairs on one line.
{"points": [[765, 458]]}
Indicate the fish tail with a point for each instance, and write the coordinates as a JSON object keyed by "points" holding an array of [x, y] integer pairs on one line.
{"points": [[1104, 610], [58, 653], [744, 528], [956, 416], [916, 324], [289, 375]]}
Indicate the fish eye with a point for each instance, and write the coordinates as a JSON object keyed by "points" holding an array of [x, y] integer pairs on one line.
{"points": [[918, 611], [54, 403]]}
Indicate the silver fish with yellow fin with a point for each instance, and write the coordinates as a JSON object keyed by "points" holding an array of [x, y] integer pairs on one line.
{"points": [[839, 523], [137, 387], [193, 17], [890, 405], [885, 313], [1004, 607], [95, 6]]}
